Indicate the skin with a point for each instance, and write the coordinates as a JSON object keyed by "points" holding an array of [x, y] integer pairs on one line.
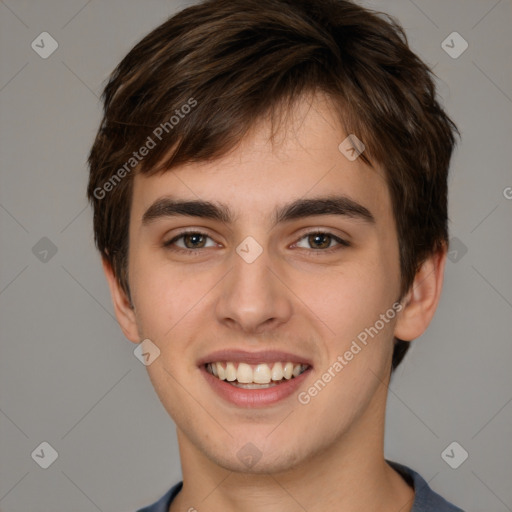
{"points": [[328, 454]]}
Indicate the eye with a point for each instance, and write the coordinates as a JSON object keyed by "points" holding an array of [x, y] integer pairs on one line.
{"points": [[322, 240], [190, 240]]}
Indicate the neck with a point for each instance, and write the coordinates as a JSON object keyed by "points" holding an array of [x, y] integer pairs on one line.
{"points": [[351, 475]]}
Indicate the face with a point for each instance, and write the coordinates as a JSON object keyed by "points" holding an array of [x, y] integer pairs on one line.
{"points": [[264, 275]]}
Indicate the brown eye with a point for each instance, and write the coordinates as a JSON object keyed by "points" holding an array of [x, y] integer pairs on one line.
{"points": [[188, 241], [319, 240], [194, 240]]}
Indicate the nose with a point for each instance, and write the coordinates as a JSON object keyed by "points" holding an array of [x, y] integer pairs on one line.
{"points": [[253, 298]]}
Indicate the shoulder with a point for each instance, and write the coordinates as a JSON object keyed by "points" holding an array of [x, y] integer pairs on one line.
{"points": [[162, 505], [425, 499]]}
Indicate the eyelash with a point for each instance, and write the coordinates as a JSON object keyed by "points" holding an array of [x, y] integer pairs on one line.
{"points": [[317, 252]]}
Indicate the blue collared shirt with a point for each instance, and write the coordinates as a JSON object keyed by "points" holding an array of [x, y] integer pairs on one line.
{"points": [[425, 499]]}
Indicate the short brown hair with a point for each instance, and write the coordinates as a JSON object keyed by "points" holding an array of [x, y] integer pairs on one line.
{"points": [[238, 61]]}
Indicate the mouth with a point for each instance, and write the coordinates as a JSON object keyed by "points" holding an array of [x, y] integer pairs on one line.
{"points": [[254, 379], [255, 376]]}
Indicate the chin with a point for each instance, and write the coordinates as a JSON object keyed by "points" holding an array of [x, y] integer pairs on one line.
{"points": [[250, 460]]}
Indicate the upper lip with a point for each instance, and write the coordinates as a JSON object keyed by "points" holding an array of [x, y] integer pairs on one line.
{"points": [[263, 356]]}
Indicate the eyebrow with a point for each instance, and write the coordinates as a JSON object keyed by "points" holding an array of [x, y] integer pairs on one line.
{"points": [[298, 209]]}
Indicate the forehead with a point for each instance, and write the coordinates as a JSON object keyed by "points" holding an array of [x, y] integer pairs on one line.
{"points": [[303, 160]]}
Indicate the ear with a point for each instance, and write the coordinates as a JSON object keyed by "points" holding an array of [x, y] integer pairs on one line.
{"points": [[422, 299], [125, 314]]}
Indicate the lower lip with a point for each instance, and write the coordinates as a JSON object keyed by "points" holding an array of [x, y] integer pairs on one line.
{"points": [[253, 398]]}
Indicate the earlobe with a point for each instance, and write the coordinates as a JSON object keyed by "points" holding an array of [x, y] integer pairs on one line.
{"points": [[124, 311], [421, 301]]}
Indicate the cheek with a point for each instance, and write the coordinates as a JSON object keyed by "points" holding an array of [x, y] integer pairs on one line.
{"points": [[160, 295], [350, 298], [171, 300]]}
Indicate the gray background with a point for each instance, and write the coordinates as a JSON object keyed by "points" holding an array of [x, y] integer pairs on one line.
{"points": [[68, 376]]}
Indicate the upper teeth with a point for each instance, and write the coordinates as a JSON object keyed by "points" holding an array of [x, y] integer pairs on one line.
{"points": [[259, 373]]}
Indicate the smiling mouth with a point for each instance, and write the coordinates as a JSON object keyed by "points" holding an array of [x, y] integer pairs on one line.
{"points": [[255, 376]]}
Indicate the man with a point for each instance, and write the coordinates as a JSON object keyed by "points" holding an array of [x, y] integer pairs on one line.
{"points": [[269, 186]]}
